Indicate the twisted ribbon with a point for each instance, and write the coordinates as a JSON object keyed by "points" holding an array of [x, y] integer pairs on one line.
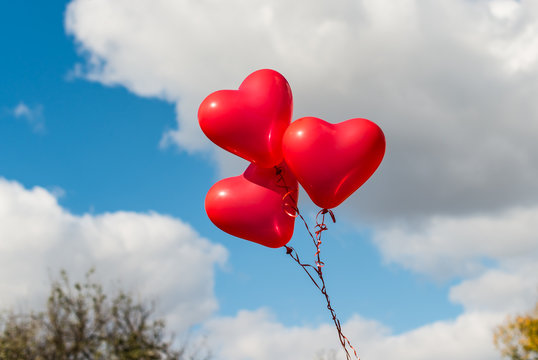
{"points": [[317, 269]]}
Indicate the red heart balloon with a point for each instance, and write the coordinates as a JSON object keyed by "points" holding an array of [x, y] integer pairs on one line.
{"points": [[331, 161], [257, 206], [251, 121]]}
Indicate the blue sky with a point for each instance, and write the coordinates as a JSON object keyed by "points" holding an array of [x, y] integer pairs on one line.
{"points": [[99, 86], [101, 147]]}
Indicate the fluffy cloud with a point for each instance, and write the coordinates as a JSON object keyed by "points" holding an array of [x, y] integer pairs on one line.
{"points": [[452, 83], [500, 290], [443, 247], [448, 246], [486, 297], [256, 335], [168, 260], [162, 257]]}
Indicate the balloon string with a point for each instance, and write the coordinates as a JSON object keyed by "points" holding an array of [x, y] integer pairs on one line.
{"points": [[320, 228]]}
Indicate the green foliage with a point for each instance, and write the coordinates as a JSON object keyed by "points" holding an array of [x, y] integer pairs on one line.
{"points": [[517, 338], [82, 322]]}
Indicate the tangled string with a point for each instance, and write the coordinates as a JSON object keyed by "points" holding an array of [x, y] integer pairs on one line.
{"points": [[315, 271]]}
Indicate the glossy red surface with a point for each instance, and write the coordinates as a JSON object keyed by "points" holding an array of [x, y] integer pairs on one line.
{"points": [[252, 206], [331, 161], [251, 121]]}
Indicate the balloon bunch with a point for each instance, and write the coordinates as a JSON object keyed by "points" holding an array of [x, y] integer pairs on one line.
{"points": [[330, 161]]}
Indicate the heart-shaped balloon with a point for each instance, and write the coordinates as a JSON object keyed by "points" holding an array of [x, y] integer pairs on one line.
{"points": [[257, 205], [331, 161], [251, 121]]}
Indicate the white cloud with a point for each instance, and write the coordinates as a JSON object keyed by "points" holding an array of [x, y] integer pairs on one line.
{"points": [[256, 335], [486, 300], [503, 291], [517, 47], [452, 83], [467, 337], [32, 115], [494, 255], [156, 255], [507, 10], [445, 246], [166, 259], [22, 110]]}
